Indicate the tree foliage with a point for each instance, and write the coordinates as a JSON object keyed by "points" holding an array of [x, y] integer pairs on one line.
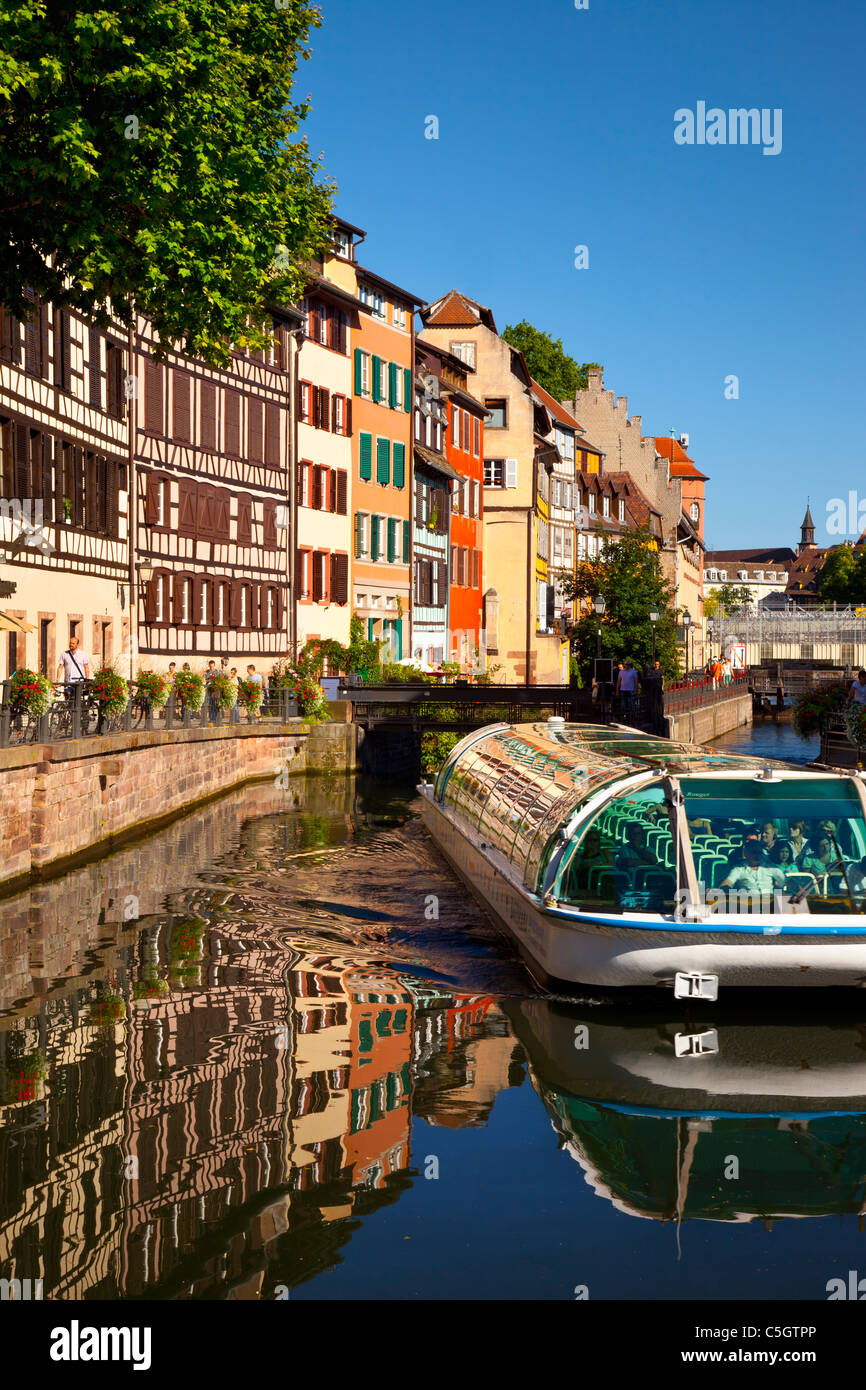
{"points": [[149, 154], [627, 574], [547, 360], [843, 576], [726, 598]]}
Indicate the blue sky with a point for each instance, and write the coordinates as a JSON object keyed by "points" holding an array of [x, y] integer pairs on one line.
{"points": [[556, 129]]}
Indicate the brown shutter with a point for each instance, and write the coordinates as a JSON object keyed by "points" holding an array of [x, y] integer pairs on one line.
{"points": [[325, 408], [63, 348], [331, 474], [316, 500], [335, 400], [10, 336], [186, 524], [151, 501], [315, 562], [245, 519], [443, 583], [177, 599], [94, 351], [208, 415], [181, 392], [32, 338], [340, 578], [235, 604], [150, 593], [476, 568], [272, 434], [205, 512], [348, 416], [47, 490], [342, 491], [114, 381], [153, 417], [43, 340], [21, 446], [219, 502], [255, 430], [233, 423], [270, 526]]}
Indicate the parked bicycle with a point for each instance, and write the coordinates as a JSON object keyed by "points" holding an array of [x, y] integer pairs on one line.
{"points": [[60, 715]]}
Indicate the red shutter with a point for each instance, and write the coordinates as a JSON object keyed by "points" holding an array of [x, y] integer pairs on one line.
{"points": [[256, 430], [340, 578], [342, 491], [153, 421], [208, 415], [245, 519], [233, 424], [272, 434]]}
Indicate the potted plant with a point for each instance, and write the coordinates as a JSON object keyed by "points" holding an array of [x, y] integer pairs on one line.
{"points": [[311, 699], [152, 688], [223, 690], [250, 695], [111, 691], [813, 708], [189, 689], [30, 693], [855, 725]]}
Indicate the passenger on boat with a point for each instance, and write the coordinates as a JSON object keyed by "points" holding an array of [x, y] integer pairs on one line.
{"points": [[782, 856], [857, 877], [592, 855], [635, 851], [738, 857], [756, 875], [798, 838], [823, 859], [769, 835], [700, 826]]}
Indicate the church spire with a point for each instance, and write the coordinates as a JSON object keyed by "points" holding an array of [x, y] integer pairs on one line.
{"points": [[807, 530]]}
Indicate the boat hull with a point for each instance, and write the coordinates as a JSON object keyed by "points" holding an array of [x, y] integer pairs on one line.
{"points": [[560, 950]]}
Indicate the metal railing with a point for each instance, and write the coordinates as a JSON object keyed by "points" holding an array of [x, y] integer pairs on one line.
{"points": [[693, 692], [76, 713]]}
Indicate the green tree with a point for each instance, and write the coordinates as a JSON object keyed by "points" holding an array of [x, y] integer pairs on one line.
{"points": [[547, 360], [728, 597], [149, 154], [628, 576], [842, 576]]}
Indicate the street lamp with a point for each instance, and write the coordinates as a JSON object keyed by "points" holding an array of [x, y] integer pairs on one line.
{"points": [[599, 606], [654, 617], [687, 622]]}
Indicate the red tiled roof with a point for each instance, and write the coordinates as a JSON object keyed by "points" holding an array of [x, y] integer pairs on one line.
{"points": [[559, 412], [457, 310], [681, 465], [637, 505]]}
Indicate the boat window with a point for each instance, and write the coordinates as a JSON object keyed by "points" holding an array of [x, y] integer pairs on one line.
{"points": [[784, 835], [625, 858]]}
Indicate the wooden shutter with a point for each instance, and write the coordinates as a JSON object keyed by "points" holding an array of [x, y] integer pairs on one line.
{"points": [[46, 491], [324, 421], [187, 508], [317, 576], [374, 537], [383, 461], [359, 373], [114, 380], [235, 604], [10, 336], [342, 492], [245, 519], [392, 538], [205, 513], [150, 595], [331, 475], [315, 322], [33, 336], [233, 423], [335, 405], [476, 569], [365, 456], [151, 499], [443, 583], [377, 378], [270, 526], [254, 594], [94, 349], [221, 514], [392, 383], [177, 599], [340, 578], [180, 384], [407, 390], [255, 430], [399, 478], [405, 525], [153, 422], [347, 417], [316, 500], [209, 415], [272, 434]]}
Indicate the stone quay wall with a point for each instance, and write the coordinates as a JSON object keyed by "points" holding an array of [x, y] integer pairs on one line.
{"points": [[61, 800], [707, 722]]}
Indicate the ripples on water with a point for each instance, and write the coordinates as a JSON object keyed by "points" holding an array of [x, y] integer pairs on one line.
{"points": [[310, 1066]]}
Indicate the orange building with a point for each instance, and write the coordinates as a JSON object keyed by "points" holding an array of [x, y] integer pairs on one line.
{"points": [[464, 450], [380, 1085], [381, 481]]}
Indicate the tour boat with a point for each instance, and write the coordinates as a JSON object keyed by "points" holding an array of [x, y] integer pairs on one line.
{"points": [[619, 859]]}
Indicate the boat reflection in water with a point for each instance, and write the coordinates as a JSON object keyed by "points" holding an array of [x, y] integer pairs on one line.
{"points": [[727, 1120]]}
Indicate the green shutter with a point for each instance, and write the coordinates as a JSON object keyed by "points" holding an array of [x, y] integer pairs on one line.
{"points": [[407, 390], [377, 378], [406, 542], [392, 538], [383, 461], [358, 375], [392, 384], [370, 638], [399, 464], [374, 537], [365, 454]]}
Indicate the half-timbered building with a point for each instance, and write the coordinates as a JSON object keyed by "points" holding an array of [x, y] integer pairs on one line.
{"points": [[213, 501], [64, 460]]}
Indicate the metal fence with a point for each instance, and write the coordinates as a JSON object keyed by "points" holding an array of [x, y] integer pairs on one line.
{"points": [[794, 626], [76, 713], [692, 693]]}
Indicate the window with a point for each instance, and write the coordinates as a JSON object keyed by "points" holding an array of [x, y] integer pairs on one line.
{"points": [[591, 500], [476, 436], [204, 603], [498, 414], [494, 472], [465, 351], [695, 512], [713, 574], [723, 574], [455, 426], [302, 577], [365, 374], [397, 400], [759, 574], [305, 392], [605, 506], [621, 511], [399, 316], [742, 574], [555, 492], [362, 534], [543, 539], [476, 498]]}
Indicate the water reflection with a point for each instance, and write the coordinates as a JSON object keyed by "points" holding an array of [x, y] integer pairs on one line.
{"points": [[211, 1098]]}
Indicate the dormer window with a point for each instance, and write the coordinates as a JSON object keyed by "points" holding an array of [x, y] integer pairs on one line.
{"points": [[621, 511], [605, 506], [343, 246], [742, 574], [591, 500]]}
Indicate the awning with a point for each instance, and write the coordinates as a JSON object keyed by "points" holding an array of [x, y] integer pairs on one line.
{"points": [[428, 459], [10, 624]]}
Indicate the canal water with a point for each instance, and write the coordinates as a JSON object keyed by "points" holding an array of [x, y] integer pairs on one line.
{"points": [[276, 1051]]}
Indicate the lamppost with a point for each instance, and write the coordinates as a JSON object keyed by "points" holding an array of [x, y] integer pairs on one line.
{"points": [[687, 622], [711, 627], [599, 606], [654, 617]]}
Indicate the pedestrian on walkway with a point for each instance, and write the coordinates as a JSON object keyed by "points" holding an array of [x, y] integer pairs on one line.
{"points": [[626, 687], [233, 677], [74, 664], [212, 697]]}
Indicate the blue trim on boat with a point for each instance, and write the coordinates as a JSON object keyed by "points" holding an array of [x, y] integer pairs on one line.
{"points": [[651, 1113], [721, 929]]}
